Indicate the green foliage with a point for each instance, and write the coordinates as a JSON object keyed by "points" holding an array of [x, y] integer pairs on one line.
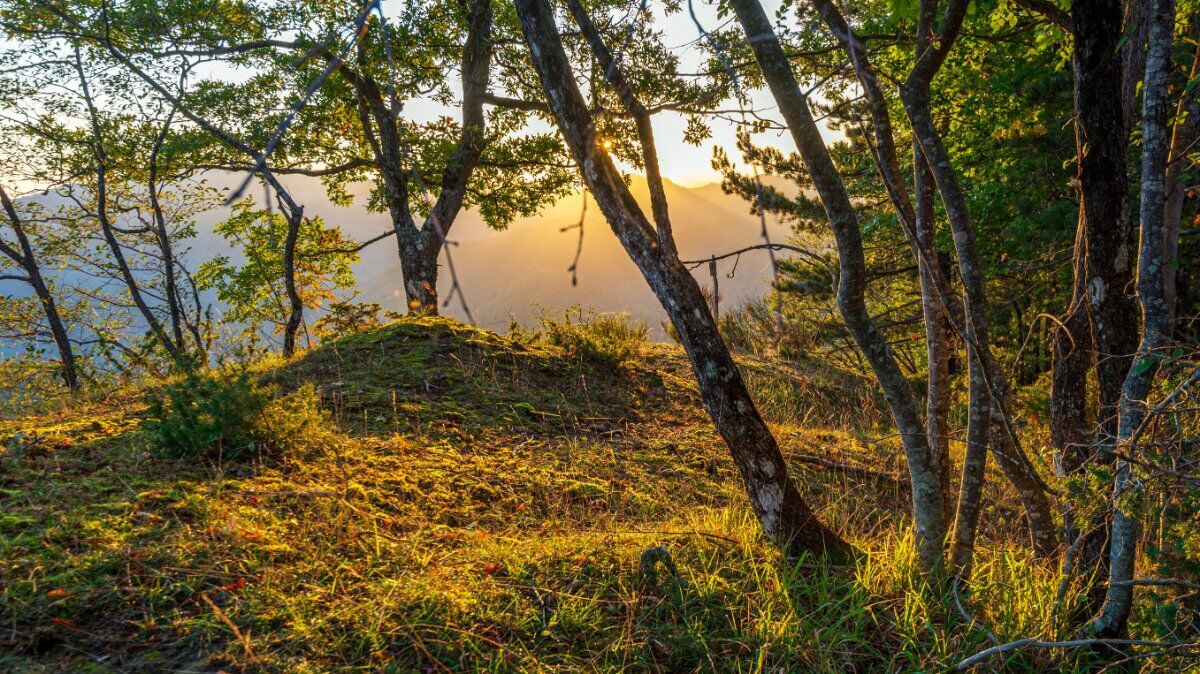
{"points": [[218, 415], [607, 338], [210, 415], [254, 288]]}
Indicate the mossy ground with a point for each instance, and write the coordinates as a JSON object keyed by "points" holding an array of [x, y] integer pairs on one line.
{"points": [[478, 502]]}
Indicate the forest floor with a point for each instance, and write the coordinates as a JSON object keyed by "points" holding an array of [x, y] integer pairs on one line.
{"points": [[472, 501]]}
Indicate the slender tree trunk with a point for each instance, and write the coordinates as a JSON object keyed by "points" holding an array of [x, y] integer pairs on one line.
{"points": [[295, 303], [27, 260], [1156, 316], [106, 228], [970, 495], [163, 237], [782, 512], [1012, 460], [1186, 133], [937, 323], [927, 491]]}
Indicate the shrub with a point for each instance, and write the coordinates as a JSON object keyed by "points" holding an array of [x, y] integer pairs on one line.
{"points": [[611, 339], [221, 415]]}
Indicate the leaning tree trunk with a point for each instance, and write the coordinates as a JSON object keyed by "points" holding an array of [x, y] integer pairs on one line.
{"points": [[1156, 316], [27, 260], [927, 489], [779, 507]]}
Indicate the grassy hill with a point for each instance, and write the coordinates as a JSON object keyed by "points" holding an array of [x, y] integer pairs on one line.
{"points": [[463, 501]]}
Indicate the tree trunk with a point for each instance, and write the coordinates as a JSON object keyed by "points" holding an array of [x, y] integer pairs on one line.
{"points": [[1102, 139], [419, 247], [1013, 462], [106, 228], [937, 322], [974, 470], [782, 512], [1186, 133], [1156, 316], [295, 303], [27, 260], [927, 491]]}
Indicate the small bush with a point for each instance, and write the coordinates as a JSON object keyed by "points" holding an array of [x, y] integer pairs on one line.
{"points": [[218, 415], [611, 339]]}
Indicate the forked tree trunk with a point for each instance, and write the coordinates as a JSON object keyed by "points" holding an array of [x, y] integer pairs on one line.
{"points": [[25, 257], [779, 507], [915, 95], [419, 247], [1156, 316], [927, 488]]}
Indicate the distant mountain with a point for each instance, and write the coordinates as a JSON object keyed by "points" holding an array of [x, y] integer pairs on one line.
{"points": [[506, 275]]}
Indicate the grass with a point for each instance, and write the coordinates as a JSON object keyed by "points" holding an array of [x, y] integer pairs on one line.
{"points": [[476, 502]]}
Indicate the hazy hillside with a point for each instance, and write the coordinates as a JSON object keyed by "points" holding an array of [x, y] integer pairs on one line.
{"points": [[505, 274]]}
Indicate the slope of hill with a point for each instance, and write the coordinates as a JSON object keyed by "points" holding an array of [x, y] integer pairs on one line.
{"points": [[468, 501]]}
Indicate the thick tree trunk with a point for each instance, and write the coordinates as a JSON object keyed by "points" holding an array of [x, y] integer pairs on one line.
{"points": [[1156, 315], [927, 488], [27, 260], [419, 247], [782, 512], [1102, 139]]}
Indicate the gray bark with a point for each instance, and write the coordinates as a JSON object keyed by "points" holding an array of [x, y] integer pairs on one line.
{"points": [[1156, 316], [915, 95], [784, 515], [927, 490], [25, 257]]}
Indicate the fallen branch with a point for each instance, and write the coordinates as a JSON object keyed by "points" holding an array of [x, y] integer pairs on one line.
{"points": [[1075, 643]]}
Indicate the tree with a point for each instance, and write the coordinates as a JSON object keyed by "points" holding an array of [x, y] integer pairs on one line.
{"points": [[257, 290], [781, 510], [25, 257]]}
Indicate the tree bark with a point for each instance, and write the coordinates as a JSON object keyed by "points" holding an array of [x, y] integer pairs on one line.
{"points": [[782, 512], [927, 489], [1102, 139], [915, 95], [295, 303], [1156, 316], [1185, 135], [25, 257], [419, 247]]}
